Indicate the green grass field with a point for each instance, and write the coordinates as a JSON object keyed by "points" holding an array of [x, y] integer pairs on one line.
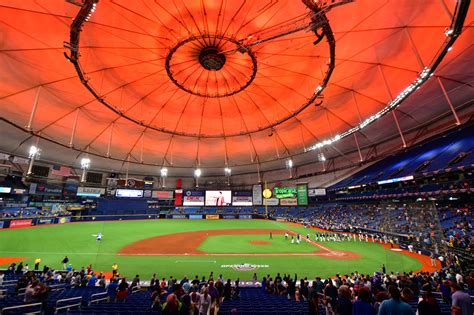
{"points": [[51, 243]]}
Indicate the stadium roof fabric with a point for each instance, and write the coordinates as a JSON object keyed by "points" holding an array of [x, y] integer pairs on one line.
{"points": [[159, 105]]}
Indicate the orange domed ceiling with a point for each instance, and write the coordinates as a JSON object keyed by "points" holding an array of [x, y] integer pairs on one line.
{"points": [[215, 82]]}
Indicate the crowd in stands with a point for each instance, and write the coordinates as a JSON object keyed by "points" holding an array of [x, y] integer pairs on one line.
{"points": [[448, 291], [31, 212], [423, 226]]}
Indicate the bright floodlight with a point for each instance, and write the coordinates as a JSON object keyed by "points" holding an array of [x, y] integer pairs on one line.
{"points": [[85, 163], [289, 163], [164, 172], [197, 172], [33, 151], [227, 171]]}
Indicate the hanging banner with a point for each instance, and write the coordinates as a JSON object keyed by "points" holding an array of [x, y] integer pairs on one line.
{"points": [[302, 194], [257, 195], [178, 197]]}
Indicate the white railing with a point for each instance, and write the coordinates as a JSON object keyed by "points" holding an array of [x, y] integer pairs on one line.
{"points": [[98, 297], [75, 302], [19, 307]]}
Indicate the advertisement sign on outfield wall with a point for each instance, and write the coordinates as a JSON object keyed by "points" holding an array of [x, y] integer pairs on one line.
{"points": [[271, 202], [228, 216], [179, 216], [257, 195], [63, 220], [245, 216], [44, 221], [195, 217], [20, 223], [212, 217]]}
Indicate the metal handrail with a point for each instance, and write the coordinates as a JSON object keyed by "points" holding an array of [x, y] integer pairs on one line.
{"points": [[98, 297], [68, 306], [9, 308]]}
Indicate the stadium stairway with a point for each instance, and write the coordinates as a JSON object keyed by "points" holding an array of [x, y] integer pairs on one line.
{"points": [[255, 301]]}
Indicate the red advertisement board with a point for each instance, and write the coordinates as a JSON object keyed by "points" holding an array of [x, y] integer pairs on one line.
{"points": [[20, 223]]}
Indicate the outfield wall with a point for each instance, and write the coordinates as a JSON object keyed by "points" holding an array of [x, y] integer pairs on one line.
{"points": [[28, 222]]}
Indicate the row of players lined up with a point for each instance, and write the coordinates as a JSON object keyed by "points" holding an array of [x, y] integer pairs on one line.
{"points": [[339, 237]]}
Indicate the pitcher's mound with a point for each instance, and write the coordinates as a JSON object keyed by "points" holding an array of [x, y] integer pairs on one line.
{"points": [[258, 242]]}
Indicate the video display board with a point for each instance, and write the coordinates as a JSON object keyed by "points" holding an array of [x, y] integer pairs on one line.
{"points": [[242, 198], [129, 193], [193, 198], [219, 198]]}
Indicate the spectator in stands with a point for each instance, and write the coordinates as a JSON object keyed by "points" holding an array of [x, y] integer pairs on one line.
{"points": [[213, 293], [205, 303], [227, 290], [395, 305], [196, 300], [30, 291], [154, 282], [41, 293], [237, 289], [92, 280], [156, 299], [428, 305], [135, 282], [461, 300], [330, 294], [187, 308], [101, 280], [172, 305], [122, 290], [19, 268], [344, 303], [363, 305], [313, 299]]}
